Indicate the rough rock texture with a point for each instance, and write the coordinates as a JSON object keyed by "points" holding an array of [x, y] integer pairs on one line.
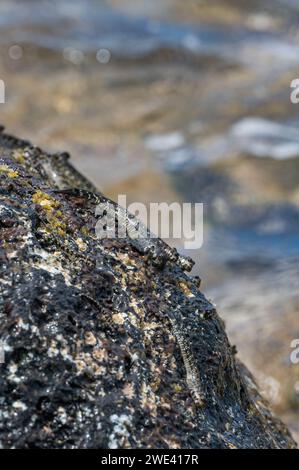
{"points": [[102, 348]]}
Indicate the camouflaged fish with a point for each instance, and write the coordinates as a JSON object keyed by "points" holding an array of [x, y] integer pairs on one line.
{"points": [[57, 169]]}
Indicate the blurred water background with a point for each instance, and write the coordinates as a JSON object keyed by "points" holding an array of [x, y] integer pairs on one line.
{"points": [[165, 100]]}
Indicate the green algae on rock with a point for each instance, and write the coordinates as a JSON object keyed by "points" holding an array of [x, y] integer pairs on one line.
{"points": [[103, 348]]}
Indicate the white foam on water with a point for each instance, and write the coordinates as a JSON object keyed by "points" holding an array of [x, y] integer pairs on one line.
{"points": [[265, 138], [164, 142]]}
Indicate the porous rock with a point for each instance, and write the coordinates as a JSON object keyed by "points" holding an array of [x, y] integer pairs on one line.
{"points": [[92, 356]]}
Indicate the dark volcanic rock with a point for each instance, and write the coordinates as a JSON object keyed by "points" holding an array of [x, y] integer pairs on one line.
{"points": [[102, 348]]}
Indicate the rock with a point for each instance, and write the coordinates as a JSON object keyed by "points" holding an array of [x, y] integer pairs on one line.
{"points": [[102, 349]]}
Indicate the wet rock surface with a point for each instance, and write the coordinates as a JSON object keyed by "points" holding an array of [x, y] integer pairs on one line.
{"points": [[102, 348]]}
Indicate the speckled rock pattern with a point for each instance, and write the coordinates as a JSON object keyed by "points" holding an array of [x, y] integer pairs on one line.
{"points": [[102, 348]]}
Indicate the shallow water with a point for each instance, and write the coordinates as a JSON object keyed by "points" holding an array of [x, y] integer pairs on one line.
{"points": [[185, 101]]}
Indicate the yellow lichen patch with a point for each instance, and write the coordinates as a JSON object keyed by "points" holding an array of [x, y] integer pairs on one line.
{"points": [[45, 200], [85, 231], [56, 225], [54, 216], [9, 171], [177, 388], [18, 156]]}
